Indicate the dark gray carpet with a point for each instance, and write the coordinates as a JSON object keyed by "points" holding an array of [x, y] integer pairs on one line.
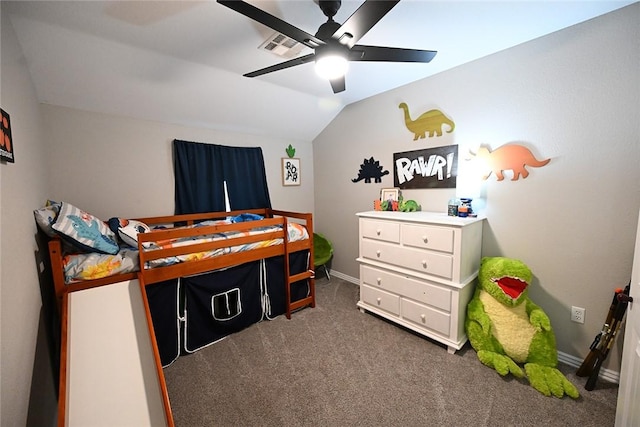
{"points": [[334, 366]]}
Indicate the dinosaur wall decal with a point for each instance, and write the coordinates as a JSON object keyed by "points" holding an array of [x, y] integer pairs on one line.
{"points": [[508, 157], [291, 152], [369, 169], [430, 122]]}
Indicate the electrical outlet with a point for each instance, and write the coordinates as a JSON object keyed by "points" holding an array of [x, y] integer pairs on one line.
{"points": [[577, 314]]}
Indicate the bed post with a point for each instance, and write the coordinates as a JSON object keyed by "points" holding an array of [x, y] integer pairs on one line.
{"points": [[312, 278], [156, 353], [62, 377], [287, 270], [55, 258]]}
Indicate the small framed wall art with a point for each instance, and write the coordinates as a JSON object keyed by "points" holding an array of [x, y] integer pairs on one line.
{"points": [[290, 171], [6, 141]]}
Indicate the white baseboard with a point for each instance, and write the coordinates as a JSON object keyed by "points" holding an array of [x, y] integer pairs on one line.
{"points": [[567, 359], [343, 276], [605, 374]]}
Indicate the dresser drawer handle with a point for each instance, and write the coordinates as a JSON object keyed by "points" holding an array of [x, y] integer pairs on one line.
{"points": [[378, 300], [424, 263], [379, 280], [425, 239], [378, 253], [423, 318], [378, 231]]}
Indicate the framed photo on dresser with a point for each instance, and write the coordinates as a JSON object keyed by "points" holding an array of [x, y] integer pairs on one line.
{"points": [[389, 194]]}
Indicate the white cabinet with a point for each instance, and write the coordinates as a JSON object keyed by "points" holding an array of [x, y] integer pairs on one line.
{"points": [[419, 269]]}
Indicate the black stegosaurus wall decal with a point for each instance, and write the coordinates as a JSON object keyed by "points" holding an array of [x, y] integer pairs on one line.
{"points": [[370, 169]]}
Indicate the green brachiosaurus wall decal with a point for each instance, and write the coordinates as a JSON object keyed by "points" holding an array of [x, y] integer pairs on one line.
{"points": [[431, 122]]}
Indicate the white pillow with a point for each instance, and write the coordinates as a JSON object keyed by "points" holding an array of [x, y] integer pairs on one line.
{"points": [[46, 215], [129, 229]]}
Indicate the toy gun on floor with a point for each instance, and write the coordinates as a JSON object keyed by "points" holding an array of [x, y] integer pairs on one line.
{"points": [[599, 349], [587, 365]]}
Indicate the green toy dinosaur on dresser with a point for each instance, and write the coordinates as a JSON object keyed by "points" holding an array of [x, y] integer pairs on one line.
{"points": [[506, 328]]}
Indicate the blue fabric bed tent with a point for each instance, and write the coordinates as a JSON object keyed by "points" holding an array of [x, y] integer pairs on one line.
{"points": [[165, 308], [220, 303], [194, 312], [274, 293]]}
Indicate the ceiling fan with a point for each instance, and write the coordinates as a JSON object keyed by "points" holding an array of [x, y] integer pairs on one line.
{"points": [[333, 43]]}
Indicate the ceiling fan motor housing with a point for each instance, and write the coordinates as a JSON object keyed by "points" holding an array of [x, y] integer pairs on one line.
{"points": [[327, 29], [330, 8]]}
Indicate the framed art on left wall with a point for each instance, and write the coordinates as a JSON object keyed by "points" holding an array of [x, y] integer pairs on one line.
{"points": [[6, 141], [290, 171]]}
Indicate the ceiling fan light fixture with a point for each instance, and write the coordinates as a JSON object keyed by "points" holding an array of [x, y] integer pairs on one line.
{"points": [[331, 65]]}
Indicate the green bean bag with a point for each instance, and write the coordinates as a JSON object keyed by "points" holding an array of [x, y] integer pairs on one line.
{"points": [[322, 252]]}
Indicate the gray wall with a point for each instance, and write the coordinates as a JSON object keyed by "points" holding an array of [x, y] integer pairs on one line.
{"points": [[23, 185], [571, 96], [125, 165]]}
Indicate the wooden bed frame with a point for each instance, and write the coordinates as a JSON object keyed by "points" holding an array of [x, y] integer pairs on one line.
{"points": [[272, 217], [153, 275], [148, 276]]}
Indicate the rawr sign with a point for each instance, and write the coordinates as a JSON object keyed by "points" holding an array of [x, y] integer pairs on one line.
{"points": [[431, 168]]}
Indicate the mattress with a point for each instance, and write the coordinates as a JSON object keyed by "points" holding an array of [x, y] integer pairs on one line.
{"points": [[89, 266]]}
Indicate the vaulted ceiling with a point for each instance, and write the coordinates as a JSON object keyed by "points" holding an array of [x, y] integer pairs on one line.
{"points": [[182, 61]]}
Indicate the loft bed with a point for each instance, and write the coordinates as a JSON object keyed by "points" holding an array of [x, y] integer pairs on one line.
{"points": [[183, 246], [233, 244], [206, 242]]}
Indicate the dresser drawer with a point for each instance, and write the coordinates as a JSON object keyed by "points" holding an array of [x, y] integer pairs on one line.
{"points": [[420, 291], [427, 237], [423, 261], [380, 279], [425, 316], [380, 299], [380, 230]]}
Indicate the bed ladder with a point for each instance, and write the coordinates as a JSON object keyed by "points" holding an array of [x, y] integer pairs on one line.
{"points": [[309, 275]]}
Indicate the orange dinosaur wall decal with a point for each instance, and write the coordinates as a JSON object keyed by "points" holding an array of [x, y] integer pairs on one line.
{"points": [[508, 157], [430, 122]]}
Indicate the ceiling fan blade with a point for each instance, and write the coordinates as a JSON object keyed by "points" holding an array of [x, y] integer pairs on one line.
{"points": [[271, 21], [338, 85], [362, 20], [281, 66], [389, 54]]}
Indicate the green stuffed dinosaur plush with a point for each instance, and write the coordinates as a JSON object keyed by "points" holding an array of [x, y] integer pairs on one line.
{"points": [[506, 328], [407, 205]]}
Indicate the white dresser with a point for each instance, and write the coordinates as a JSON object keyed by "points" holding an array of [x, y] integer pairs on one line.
{"points": [[419, 269]]}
